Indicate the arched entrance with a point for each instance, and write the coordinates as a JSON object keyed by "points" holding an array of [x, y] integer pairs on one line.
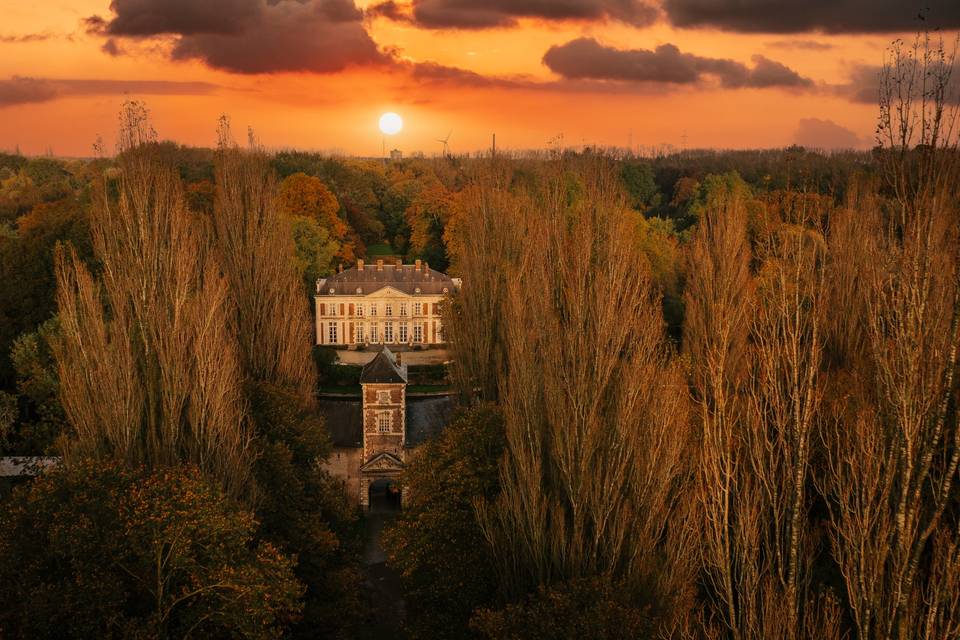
{"points": [[384, 495]]}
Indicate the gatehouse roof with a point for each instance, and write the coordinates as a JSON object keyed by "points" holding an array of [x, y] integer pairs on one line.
{"points": [[384, 369]]}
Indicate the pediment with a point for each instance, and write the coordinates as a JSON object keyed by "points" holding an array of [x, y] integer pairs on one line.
{"points": [[383, 461], [387, 291]]}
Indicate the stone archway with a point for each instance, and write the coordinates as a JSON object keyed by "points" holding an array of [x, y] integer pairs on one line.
{"points": [[384, 495]]}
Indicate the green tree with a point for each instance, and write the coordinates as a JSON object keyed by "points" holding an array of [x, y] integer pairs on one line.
{"points": [[100, 550], [316, 250], [639, 183], [307, 196], [40, 418], [427, 216], [304, 511], [27, 281], [436, 543]]}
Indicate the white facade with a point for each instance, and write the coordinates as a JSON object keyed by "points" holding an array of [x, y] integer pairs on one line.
{"points": [[350, 311]]}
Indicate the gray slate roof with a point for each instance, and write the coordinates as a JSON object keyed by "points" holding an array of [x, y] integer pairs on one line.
{"points": [[383, 369], [405, 278], [344, 420], [426, 417], [23, 466]]}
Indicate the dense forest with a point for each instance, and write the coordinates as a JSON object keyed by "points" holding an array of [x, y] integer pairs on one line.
{"points": [[711, 394]]}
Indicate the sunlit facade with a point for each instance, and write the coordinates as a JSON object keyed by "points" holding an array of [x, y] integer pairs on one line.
{"points": [[393, 304]]}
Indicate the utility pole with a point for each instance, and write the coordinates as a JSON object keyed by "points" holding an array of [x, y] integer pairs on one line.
{"points": [[493, 149]]}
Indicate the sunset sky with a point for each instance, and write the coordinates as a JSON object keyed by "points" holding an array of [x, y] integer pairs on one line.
{"points": [[317, 74]]}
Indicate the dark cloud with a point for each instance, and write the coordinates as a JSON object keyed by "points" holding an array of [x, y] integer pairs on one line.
{"points": [[434, 72], [801, 45], [248, 36], [826, 134], [18, 90], [111, 48], [471, 14], [587, 59], [389, 9], [184, 17], [864, 85], [21, 90], [25, 38], [289, 37], [799, 16]]}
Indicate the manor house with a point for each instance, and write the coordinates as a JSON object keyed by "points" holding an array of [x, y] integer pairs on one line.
{"points": [[395, 304]]}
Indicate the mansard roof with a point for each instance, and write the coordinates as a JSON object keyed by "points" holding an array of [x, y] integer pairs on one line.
{"points": [[406, 278], [384, 369]]}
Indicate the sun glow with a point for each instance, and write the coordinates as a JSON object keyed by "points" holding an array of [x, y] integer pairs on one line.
{"points": [[391, 124]]}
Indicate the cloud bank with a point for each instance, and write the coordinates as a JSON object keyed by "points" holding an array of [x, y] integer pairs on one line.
{"points": [[828, 16], [587, 59], [471, 14], [249, 36], [826, 134], [23, 90]]}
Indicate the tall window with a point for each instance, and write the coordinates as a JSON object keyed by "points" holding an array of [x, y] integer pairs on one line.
{"points": [[403, 309], [373, 308], [417, 308], [388, 332], [359, 332], [360, 310], [332, 309], [373, 332], [332, 332], [418, 332], [403, 332], [383, 422], [388, 310]]}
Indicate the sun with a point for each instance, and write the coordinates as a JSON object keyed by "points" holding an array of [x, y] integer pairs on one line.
{"points": [[391, 124]]}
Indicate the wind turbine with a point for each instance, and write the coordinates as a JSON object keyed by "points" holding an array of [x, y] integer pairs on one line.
{"points": [[445, 141]]}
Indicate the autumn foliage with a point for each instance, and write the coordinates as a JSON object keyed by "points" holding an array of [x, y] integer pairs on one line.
{"points": [[109, 551]]}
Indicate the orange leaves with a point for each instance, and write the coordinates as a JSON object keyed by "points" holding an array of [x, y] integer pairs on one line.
{"points": [[308, 196]]}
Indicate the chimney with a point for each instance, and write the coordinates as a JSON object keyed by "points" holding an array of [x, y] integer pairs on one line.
{"points": [[379, 264], [418, 263], [359, 265], [340, 268]]}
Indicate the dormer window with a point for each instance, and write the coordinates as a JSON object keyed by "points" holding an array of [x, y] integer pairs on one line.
{"points": [[445, 290], [332, 291], [359, 291], [417, 290]]}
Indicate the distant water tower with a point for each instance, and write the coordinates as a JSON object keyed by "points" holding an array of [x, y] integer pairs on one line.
{"points": [[396, 154]]}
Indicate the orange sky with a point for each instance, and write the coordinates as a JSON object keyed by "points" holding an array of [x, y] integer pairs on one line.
{"points": [[50, 58]]}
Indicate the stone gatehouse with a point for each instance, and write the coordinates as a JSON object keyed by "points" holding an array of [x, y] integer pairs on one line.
{"points": [[376, 436]]}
